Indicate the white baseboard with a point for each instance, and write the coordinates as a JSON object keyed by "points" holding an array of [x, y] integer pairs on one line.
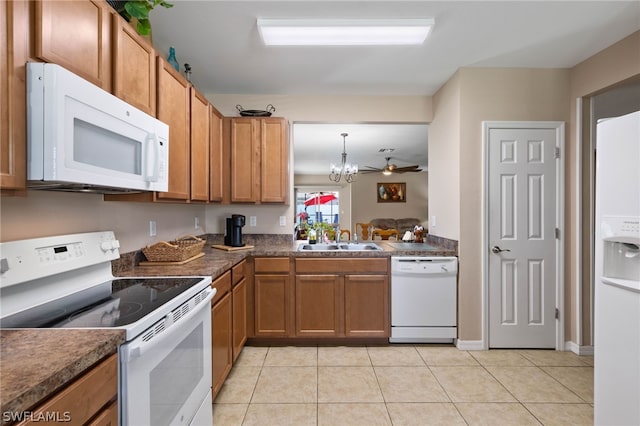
{"points": [[470, 345], [577, 349]]}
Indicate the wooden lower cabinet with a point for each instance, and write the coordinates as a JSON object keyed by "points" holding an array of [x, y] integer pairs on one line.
{"points": [[342, 298], [239, 295], [92, 399], [366, 306], [271, 305], [319, 306], [221, 320]]}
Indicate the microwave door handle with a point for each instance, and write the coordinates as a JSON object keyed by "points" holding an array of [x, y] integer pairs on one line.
{"points": [[152, 158]]}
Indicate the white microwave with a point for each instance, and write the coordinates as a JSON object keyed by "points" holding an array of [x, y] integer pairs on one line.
{"points": [[82, 138]]}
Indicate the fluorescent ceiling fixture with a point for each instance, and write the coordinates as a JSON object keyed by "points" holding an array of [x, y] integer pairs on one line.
{"points": [[347, 32]]}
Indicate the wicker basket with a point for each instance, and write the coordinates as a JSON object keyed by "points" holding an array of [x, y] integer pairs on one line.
{"points": [[181, 249]]}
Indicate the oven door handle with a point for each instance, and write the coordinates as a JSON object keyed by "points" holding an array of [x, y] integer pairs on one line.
{"points": [[141, 345]]}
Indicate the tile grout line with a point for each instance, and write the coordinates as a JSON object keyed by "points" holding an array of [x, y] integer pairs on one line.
{"points": [[444, 389]]}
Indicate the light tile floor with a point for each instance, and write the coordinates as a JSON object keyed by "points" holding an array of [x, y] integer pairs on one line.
{"points": [[405, 385]]}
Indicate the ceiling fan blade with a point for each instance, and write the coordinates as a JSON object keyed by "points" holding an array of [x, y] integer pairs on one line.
{"points": [[406, 169]]}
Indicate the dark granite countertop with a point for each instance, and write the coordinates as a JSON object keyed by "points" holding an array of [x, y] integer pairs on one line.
{"points": [[215, 261], [35, 363]]}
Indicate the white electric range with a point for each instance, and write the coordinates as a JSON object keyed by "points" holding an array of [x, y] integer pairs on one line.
{"points": [[164, 365]]}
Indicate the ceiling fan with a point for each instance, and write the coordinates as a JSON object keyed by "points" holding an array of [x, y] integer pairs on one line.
{"points": [[390, 168]]}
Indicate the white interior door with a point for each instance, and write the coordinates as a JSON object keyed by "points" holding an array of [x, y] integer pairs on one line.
{"points": [[521, 237]]}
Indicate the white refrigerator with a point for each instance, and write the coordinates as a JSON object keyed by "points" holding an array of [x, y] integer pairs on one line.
{"points": [[617, 272]]}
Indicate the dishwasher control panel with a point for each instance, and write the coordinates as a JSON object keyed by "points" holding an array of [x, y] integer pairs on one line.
{"points": [[424, 265]]}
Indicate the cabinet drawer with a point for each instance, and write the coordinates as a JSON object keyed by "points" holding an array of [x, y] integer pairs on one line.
{"points": [[271, 264], [84, 397], [223, 285], [347, 265], [238, 272]]}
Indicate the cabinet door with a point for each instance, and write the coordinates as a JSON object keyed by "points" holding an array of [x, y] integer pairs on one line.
{"points": [[14, 21], [134, 67], [239, 317], [366, 305], [76, 35], [319, 306], [244, 160], [107, 417], [274, 160], [200, 134], [173, 109], [271, 302], [216, 155], [83, 398], [221, 356]]}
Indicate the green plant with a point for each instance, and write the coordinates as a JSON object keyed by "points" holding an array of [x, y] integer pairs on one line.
{"points": [[140, 9]]}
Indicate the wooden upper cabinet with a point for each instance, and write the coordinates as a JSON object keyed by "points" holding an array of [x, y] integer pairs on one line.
{"points": [[200, 134], [76, 35], [216, 178], [173, 109], [274, 158], [244, 160], [134, 67], [14, 21], [259, 160]]}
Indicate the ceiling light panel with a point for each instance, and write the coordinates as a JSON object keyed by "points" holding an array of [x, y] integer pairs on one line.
{"points": [[343, 32]]}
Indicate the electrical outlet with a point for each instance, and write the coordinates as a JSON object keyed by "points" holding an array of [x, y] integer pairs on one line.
{"points": [[252, 221], [433, 221], [283, 221], [152, 228], [197, 222]]}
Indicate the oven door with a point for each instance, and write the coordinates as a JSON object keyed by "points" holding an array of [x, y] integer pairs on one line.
{"points": [[165, 372]]}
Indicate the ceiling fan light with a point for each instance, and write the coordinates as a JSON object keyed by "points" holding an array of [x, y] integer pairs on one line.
{"points": [[386, 172]]}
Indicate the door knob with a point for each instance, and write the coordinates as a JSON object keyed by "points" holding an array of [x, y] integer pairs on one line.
{"points": [[497, 249]]}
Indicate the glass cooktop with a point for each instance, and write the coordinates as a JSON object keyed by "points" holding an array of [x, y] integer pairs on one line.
{"points": [[115, 303]]}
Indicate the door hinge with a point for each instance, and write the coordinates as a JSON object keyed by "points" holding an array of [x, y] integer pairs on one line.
{"points": [[557, 313], [557, 232], [557, 152]]}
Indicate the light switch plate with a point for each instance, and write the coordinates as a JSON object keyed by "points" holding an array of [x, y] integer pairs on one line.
{"points": [[283, 220], [152, 228]]}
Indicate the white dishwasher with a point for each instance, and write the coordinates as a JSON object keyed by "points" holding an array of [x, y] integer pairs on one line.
{"points": [[423, 299]]}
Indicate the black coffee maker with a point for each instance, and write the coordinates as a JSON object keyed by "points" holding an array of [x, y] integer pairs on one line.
{"points": [[233, 234]]}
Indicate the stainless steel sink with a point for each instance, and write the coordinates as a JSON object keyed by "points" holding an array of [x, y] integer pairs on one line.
{"points": [[339, 247]]}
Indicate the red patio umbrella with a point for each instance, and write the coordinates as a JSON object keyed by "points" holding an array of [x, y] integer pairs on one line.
{"points": [[320, 199]]}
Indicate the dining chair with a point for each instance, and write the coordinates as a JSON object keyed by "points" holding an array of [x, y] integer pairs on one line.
{"points": [[385, 234], [362, 230], [347, 232]]}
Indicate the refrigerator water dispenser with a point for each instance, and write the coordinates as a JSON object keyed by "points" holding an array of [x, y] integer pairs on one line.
{"points": [[621, 248]]}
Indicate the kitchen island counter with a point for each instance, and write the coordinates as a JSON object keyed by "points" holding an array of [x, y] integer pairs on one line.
{"points": [[36, 363]]}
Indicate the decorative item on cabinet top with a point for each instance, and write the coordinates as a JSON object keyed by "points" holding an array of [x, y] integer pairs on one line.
{"points": [[138, 10], [256, 112]]}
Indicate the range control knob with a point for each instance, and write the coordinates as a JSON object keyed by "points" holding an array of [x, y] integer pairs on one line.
{"points": [[105, 245]]}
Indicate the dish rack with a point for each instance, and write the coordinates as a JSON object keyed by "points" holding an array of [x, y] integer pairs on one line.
{"points": [[180, 249]]}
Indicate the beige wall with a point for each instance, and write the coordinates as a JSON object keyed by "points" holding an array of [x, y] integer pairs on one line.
{"points": [[444, 161], [366, 207], [609, 67], [475, 95], [45, 213]]}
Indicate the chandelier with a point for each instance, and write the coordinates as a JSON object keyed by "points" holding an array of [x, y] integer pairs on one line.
{"points": [[346, 170]]}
